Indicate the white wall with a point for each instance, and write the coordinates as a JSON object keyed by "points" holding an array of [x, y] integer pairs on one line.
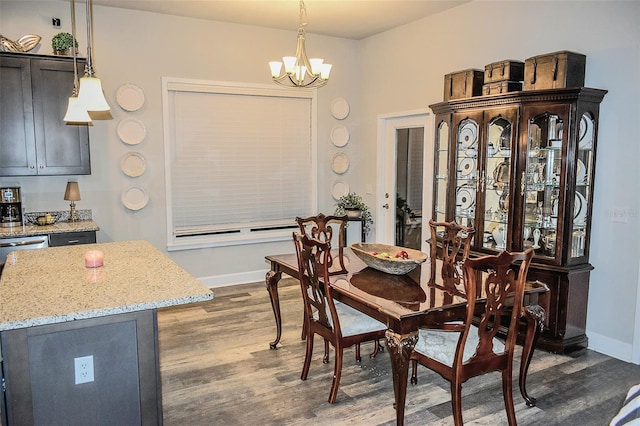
{"points": [[400, 70], [140, 48], [405, 69]]}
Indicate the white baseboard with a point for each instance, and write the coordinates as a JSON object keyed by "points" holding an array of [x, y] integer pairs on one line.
{"points": [[234, 279], [608, 346]]}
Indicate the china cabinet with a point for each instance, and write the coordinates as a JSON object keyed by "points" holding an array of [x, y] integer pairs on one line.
{"points": [[519, 168], [34, 140]]}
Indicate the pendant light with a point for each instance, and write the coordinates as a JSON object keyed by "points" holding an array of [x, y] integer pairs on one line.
{"points": [[91, 94], [76, 113]]}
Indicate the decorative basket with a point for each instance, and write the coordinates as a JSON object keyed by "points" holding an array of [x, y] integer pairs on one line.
{"points": [[370, 253]]}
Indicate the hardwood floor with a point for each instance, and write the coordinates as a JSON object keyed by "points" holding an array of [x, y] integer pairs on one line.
{"points": [[217, 368]]}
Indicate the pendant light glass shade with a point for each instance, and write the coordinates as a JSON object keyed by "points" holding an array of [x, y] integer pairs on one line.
{"points": [[91, 94], [76, 112]]}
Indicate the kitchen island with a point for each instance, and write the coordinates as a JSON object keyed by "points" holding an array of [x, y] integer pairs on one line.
{"points": [[80, 345]]}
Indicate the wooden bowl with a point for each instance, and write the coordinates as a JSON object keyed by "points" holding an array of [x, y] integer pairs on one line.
{"points": [[393, 265]]}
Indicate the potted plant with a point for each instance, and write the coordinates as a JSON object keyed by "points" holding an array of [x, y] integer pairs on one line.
{"points": [[353, 206], [62, 42]]}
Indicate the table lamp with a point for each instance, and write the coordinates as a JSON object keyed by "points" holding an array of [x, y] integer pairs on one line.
{"points": [[72, 193]]}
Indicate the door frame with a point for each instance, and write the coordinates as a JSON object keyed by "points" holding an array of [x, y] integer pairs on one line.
{"points": [[388, 124]]}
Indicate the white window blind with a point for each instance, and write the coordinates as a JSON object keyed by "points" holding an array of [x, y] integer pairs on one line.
{"points": [[240, 161]]}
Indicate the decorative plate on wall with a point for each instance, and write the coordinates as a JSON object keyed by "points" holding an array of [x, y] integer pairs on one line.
{"points": [[340, 135], [134, 198], [340, 163], [339, 189], [133, 164], [130, 97], [131, 131], [340, 108]]}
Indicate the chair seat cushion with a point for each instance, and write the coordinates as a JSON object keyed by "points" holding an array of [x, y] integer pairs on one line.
{"points": [[354, 322], [441, 345]]}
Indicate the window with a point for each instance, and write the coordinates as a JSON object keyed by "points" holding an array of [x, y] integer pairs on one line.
{"points": [[240, 162]]}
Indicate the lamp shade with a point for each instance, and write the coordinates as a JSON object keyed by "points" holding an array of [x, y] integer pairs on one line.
{"points": [[76, 113], [72, 193], [91, 94]]}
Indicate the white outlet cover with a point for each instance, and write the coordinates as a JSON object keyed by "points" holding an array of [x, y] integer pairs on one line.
{"points": [[83, 368]]}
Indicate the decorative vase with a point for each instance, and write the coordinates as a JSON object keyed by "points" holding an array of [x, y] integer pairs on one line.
{"points": [[66, 52], [353, 213]]}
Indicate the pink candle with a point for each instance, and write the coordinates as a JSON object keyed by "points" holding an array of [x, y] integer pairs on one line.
{"points": [[93, 258]]}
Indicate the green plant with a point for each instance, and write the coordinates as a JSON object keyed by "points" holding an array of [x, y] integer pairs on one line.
{"points": [[353, 201], [63, 41]]}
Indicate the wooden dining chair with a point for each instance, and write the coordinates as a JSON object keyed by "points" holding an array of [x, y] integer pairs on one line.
{"points": [[450, 244], [321, 227], [470, 347], [337, 323]]}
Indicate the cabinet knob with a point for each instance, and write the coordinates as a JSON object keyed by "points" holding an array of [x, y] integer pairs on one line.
{"points": [[385, 206], [41, 166], [32, 166]]}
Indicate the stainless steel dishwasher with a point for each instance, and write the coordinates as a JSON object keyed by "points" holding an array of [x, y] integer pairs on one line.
{"points": [[8, 245]]}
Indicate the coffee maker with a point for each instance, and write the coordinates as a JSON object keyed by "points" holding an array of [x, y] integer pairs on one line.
{"points": [[10, 207]]}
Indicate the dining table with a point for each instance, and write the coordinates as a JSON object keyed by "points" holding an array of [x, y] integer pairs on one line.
{"points": [[406, 303]]}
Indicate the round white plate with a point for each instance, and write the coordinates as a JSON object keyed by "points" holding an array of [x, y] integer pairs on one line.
{"points": [[340, 163], [581, 173], [465, 198], [468, 135], [130, 97], [466, 166], [131, 131], [339, 189], [133, 164], [340, 108], [340, 135], [134, 198], [586, 133]]}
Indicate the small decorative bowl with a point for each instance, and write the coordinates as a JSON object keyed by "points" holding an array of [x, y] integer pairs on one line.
{"points": [[44, 220], [369, 254]]}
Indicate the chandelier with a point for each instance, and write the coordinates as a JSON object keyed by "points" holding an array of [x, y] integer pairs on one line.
{"points": [[299, 70]]}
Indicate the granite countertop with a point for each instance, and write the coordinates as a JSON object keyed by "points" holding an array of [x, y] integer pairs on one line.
{"points": [[52, 285], [29, 230]]}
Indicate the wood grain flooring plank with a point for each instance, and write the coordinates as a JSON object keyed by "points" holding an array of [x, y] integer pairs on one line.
{"points": [[217, 369]]}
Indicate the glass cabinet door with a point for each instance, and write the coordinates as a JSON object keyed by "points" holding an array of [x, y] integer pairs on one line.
{"points": [[441, 172], [584, 178], [541, 183], [466, 171], [496, 183]]}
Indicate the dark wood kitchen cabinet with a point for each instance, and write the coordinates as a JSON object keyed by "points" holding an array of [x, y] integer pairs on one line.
{"points": [[519, 168], [72, 238], [34, 139]]}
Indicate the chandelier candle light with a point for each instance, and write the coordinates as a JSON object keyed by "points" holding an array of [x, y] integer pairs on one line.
{"points": [[299, 70]]}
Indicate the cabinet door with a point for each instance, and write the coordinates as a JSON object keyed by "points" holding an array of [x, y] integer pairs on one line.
{"points": [[497, 155], [441, 166], [546, 212], [584, 170], [17, 137], [467, 138], [62, 149]]}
